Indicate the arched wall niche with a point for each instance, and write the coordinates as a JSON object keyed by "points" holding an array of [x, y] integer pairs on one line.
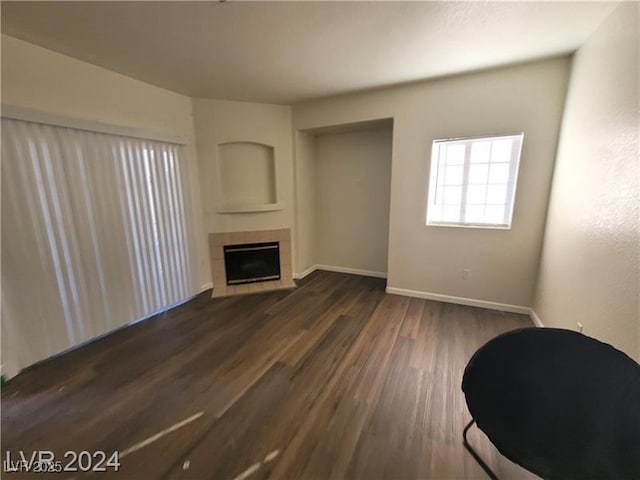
{"points": [[247, 177]]}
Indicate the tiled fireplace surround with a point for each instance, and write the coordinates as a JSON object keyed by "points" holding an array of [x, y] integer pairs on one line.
{"points": [[217, 242]]}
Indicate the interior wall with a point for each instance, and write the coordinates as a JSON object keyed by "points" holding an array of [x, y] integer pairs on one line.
{"points": [[525, 98], [590, 266], [305, 225], [221, 121], [37, 78], [40, 79], [352, 185]]}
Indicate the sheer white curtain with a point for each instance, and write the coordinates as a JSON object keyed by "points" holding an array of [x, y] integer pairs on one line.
{"points": [[96, 233]]}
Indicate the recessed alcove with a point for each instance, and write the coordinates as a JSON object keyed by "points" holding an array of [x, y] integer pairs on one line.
{"points": [[247, 177], [343, 199]]}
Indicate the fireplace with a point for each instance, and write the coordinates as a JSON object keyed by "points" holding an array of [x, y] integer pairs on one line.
{"points": [[252, 262]]}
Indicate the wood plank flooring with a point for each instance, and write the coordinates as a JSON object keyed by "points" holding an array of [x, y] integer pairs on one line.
{"points": [[334, 379]]}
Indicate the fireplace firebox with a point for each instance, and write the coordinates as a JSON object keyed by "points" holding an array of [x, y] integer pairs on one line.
{"points": [[252, 262]]}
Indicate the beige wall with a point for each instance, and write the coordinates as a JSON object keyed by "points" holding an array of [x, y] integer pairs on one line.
{"points": [[352, 185], [37, 78], [305, 205], [43, 80], [590, 264], [504, 263], [221, 121]]}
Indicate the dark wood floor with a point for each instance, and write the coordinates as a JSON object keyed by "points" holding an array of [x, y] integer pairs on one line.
{"points": [[334, 379]]}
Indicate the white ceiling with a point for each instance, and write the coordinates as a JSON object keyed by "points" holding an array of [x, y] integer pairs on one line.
{"points": [[286, 52]]}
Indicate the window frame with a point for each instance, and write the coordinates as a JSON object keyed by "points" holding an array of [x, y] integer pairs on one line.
{"points": [[435, 164]]}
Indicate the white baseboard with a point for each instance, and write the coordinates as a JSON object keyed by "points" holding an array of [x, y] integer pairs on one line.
{"points": [[300, 276], [472, 302], [536, 319], [206, 286], [335, 268], [353, 271]]}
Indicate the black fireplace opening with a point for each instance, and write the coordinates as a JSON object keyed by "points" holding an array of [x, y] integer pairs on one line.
{"points": [[252, 262]]}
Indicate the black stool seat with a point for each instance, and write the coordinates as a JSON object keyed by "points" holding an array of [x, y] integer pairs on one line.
{"points": [[559, 403]]}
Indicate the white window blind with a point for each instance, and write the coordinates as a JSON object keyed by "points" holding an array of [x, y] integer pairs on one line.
{"points": [[473, 181], [96, 233]]}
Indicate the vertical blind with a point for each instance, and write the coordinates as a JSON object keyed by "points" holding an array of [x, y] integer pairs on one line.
{"points": [[96, 233]]}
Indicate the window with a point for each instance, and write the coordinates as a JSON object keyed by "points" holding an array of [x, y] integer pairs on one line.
{"points": [[473, 181]]}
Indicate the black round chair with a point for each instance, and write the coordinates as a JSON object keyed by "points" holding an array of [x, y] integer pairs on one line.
{"points": [[559, 403]]}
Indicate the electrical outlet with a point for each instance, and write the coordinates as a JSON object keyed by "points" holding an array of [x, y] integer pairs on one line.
{"points": [[580, 327], [466, 274]]}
